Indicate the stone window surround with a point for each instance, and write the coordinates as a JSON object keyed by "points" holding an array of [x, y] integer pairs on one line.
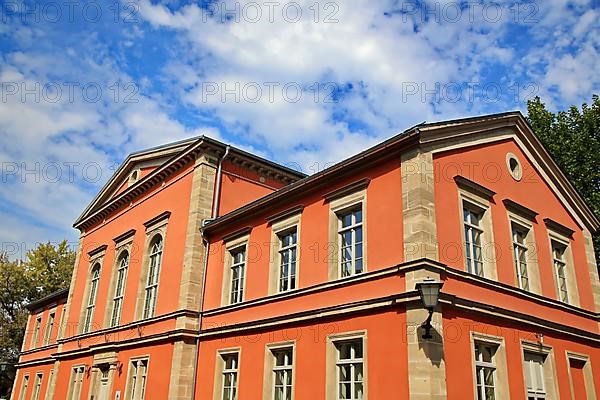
{"points": [[156, 226], [50, 386], [573, 291], [338, 205], [219, 367], [36, 331], [277, 229], [26, 340], [501, 384], [97, 258], [270, 363], [331, 383], [533, 269], [517, 173], [229, 246], [587, 373], [74, 370], [48, 329], [550, 377], [95, 380], [479, 203], [122, 243], [128, 388], [37, 383], [24, 386]]}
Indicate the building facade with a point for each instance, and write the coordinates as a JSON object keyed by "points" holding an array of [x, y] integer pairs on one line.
{"points": [[205, 272]]}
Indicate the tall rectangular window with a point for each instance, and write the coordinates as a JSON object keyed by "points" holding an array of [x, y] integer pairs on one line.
{"points": [[350, 376], [350, 232], [238, 271], [473, 240], [519, 235], [137, 379], [155, 262], [37, 387], [36, 331], [230, 376], [123, 265], [287, 260], [24, 387], [485, 370], [77, 382], [560, 266], [93, 293], [534, 376], [49, 327], [282, 374]]}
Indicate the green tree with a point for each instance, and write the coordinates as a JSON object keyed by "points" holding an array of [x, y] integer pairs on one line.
{"points": [[14, 292], [573, 139], [47, 268]]}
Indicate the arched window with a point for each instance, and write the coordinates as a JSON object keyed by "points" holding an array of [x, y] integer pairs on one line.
{"points": [[155, 260], [122, 266], [92, 294]]}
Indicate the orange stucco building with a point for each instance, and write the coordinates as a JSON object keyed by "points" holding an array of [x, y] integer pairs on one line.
{"points": [[205, 272]]}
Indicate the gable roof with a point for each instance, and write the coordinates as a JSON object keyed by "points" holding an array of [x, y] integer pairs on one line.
{"points": [[167, 159], [425, 134]]}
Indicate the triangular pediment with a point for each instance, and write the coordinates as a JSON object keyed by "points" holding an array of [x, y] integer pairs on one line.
{"points": [[135, 167], [143, 170], [457, 134]]}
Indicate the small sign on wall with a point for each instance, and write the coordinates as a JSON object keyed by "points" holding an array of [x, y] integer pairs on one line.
{"points": [[118, 395]]}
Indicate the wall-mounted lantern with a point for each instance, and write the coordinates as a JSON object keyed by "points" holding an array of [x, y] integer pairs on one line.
{"points": [[429, 290]]}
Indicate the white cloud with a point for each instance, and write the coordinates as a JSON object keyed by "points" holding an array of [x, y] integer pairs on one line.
{"points": [[383, 64], [381, 54]]}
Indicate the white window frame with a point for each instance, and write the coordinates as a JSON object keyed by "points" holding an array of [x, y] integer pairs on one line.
{"points": [[353, 362], [475, 265], [24, 387], [528, 365], [559, 263], [232, 373], [36, 331], [37, 388], [121, 280], [520, 253], [76, 382], [291, 265], [236, 293], [481, 366], [286, 371], [352, 229], [138, 378], [49, 327], [92, 295], [155, 260]]}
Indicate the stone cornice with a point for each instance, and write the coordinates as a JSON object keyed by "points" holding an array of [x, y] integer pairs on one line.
{"points": [[520, 210], [183, 158], [410, 293]]}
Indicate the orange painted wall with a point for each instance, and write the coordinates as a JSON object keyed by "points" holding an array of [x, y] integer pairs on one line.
{"points": [[240, 186], [44, 312], [457, 327], [44, 369], [158, 377], [486, 165], [158, 201], [386, 351], [384, 239]]}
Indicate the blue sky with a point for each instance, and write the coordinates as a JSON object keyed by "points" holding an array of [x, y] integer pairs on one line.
{"points": [[304, 83]]}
